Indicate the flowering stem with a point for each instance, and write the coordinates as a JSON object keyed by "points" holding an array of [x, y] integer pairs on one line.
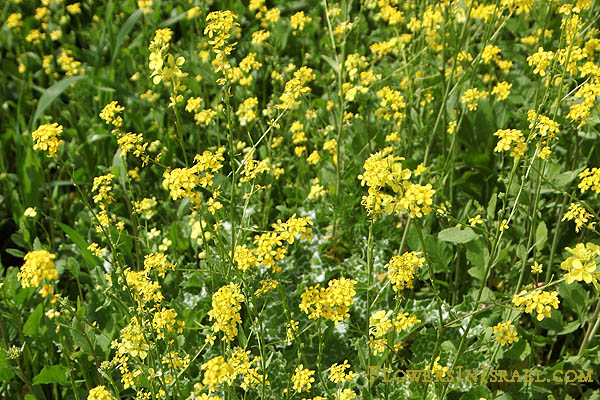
{"points": [[369, 279], [592, 327], [438, 301]]}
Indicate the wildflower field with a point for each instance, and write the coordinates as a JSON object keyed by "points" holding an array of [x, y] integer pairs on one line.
{"points": [[269, 199]]}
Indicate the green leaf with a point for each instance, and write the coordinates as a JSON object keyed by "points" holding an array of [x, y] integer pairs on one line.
{"points": [[124, 31], [519, 350], [570, 327], [32, 324], [457, 235], [80, 243], [6, 372], [541, 235], [15, 252], [477, 393], [173, 20], [51, 94], [491, 209], [51, 374]]}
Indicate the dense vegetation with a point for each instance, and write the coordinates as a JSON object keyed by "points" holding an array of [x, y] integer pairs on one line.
{"points": [[299, 200]]}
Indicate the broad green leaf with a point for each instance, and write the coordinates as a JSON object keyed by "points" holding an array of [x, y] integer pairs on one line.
{"points": [[51, 94], [32, 325], [457, 235], [6, 372], [173, 20], [124, 31], [541, 235], [80, 243], [518, 351], [51, 374]]}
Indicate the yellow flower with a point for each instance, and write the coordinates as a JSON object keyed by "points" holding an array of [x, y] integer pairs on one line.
{"points": [[331, 303], [99, 393], [476, 220], [298, 20], [505, 334], [537, 300], [582, 265], [30, 212], [46, 138], [437, 369], [226, 304], [302, 379], [39, 265], [338, 374], [541, 60], [536, 268]]}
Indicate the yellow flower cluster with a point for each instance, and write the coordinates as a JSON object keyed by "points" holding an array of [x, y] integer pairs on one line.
{"points": [[46, 138], [511, 139], [392, 104], [298, 20], [268, 17], [380, 325], [437, 369], [269, 245], [589, 179], [502, 90], [246, 111], [582, 265], [131, 342], [581, 216], [226, 304], [110, 113], [505, 333], [338, 374], [99, 393], [384, 171], [38, 266], [182, 182], [388, 12], [296, 87], [401, 269], [471, 98], [103, 186], [332, 303], [157, 262], [218, 28], [541, 60], [68, 64], [146, 207], [143, 289], [15, 21], [588, 92], [145, 6], [542, 125], [302, 379], [170, 73], [538, 301], [164, 321], [218, 371]]}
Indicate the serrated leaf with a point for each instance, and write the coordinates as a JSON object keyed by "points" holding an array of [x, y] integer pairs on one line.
{"points": [[457, 235], [51, 374]]}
